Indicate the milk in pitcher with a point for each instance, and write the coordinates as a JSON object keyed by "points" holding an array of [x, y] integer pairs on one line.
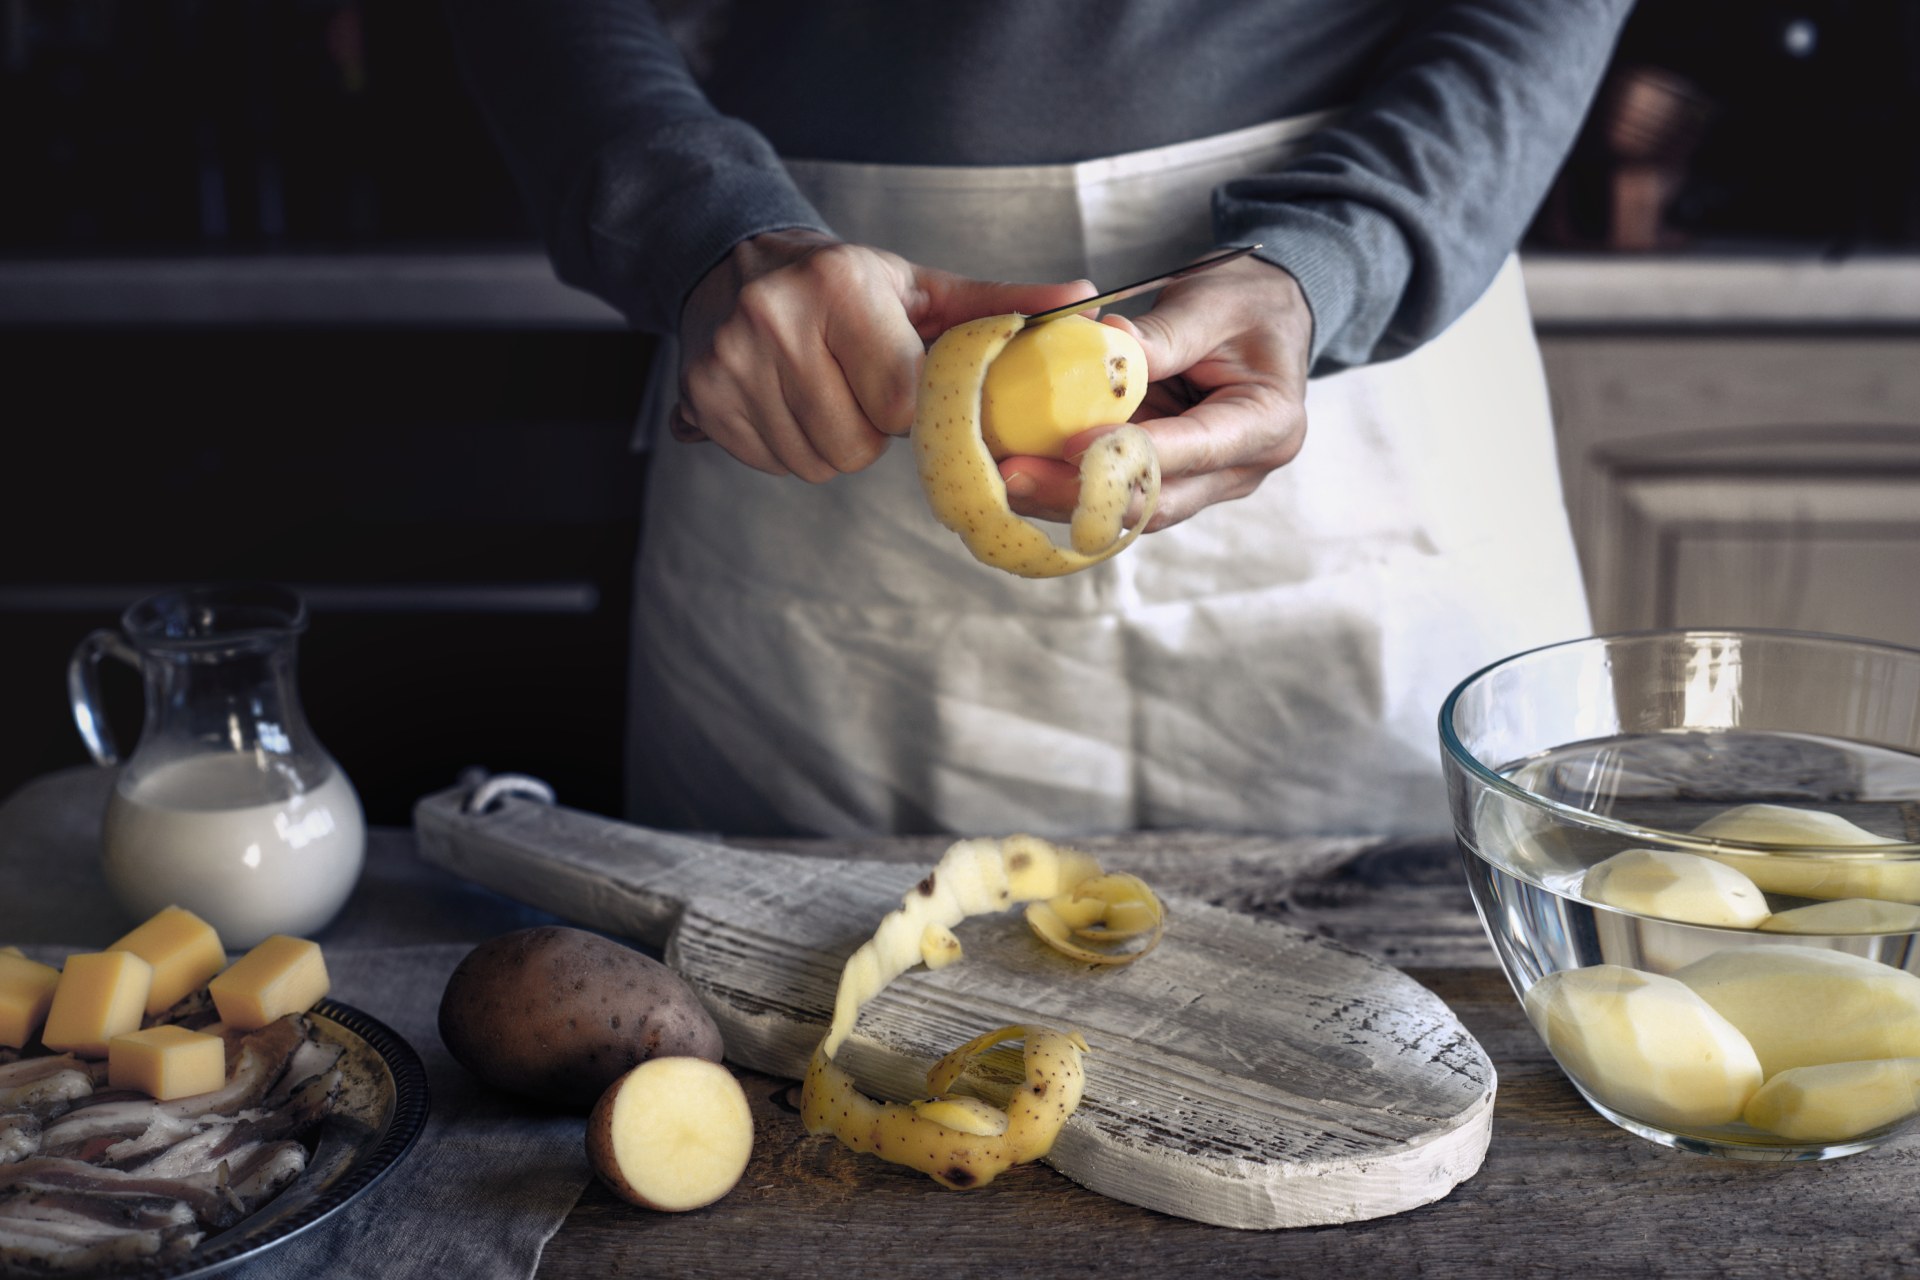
{"points": [[241, 846]]}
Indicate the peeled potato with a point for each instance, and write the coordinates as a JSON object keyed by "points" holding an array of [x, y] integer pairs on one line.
{"points": [[1054, 380], [1645, 1045], [1787, 824], [1675, 886], [1846, 915], [1799, 1006], [963, 484], [1837, 1100], [672, 1134], [1811, 877]]}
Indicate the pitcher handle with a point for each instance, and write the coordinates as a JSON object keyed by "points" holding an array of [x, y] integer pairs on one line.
{"points": [[83, 690]]}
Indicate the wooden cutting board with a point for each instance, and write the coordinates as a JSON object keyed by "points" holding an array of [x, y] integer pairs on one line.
{"points": [[1246, 1074]]}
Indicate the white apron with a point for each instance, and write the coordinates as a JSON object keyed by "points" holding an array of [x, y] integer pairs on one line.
{"points": [[828, 659]]}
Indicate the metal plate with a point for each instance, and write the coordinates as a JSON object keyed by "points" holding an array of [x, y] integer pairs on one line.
{"points": [[380, 1112]]}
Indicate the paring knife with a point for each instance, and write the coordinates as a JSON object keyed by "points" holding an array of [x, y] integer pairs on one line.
{"points": [[1140, 286]]}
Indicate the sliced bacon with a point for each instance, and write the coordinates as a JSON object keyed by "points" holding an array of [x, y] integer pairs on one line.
{"points": [[44, 1086], [162, 1132], [91, 1177], [291, 1118], [144, 1213], [205, 1191], [313, 1059], [84, 1132], [79, 1248], [19, 1136], [258, 1174]]}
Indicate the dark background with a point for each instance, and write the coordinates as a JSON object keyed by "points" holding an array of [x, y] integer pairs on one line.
{"points": [[459, 500]]}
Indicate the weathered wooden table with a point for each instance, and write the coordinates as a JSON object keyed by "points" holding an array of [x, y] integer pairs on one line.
{"points": [[1561, 1192]]}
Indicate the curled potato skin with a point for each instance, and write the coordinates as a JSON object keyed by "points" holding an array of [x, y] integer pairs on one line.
{"points": [[974, 877], [963, 483], [955, 1158], [1107, 909]]}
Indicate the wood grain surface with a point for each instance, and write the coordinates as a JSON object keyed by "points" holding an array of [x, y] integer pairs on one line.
{"points": [[1248, 1074], [1561, 1192]]}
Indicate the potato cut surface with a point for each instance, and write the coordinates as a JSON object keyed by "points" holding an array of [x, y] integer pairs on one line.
{"points": [[672, 1134]]}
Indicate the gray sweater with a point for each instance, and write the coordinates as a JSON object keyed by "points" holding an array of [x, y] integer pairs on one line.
{"points": [[641, 174]]}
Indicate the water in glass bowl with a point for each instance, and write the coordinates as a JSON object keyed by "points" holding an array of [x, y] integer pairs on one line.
{"points": [[1749, 1004]]}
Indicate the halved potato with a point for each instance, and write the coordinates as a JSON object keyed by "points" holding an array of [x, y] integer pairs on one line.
{"points": [[672, 1134]]}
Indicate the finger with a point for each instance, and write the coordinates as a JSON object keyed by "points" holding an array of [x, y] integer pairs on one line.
{"points": [[737, 436], [874, 354], [815, 425], [838, 428], [712, 403], [943, 300], [681, 427], [1244, 425], [748, 382], [1041, 488], [1175, 340], [777, 419], [1183, 499]]}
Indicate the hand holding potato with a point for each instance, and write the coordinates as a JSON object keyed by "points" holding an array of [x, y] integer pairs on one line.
{"points": [[800, 353], [1228, 352]]}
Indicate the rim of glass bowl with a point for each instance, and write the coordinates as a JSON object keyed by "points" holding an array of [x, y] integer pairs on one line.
{"points": [[1451, 743]]}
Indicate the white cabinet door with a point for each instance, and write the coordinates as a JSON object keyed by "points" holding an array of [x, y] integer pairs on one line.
{"points": [[1721, 481]]}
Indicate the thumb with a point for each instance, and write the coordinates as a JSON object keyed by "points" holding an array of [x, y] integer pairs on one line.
{"points": [[1175, 336], [945, 300]]}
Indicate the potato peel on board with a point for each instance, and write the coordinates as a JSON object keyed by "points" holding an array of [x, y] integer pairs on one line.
{"points": [[963, 483], [962, 1141]]}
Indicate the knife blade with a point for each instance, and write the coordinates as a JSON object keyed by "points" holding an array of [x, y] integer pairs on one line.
{"points": [[1139, 287]]}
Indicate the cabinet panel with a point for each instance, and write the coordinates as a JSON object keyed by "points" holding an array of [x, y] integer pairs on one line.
{"points": [[1823, 553], [1744, 481]]}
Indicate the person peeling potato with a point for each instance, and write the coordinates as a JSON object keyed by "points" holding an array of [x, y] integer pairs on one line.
{"points": [[802, 198]]}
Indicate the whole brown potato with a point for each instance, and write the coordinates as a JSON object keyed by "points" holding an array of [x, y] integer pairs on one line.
{"points": [[559, 1014]]}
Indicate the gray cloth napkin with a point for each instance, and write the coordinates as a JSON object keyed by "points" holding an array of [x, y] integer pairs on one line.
{"points": [[489, 1180], [484, 1188]]}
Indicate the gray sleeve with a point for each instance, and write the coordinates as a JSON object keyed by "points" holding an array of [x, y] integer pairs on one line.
{"points": [[636, 184], [1396, 218]]}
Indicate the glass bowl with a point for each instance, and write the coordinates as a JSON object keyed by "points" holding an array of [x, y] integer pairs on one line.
{"points": [[1694, 853]]}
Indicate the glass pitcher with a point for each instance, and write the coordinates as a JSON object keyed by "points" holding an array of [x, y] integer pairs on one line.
{"points": [[228, 806]]}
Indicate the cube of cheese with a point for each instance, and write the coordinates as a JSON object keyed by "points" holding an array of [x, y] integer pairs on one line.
{"points": [[26, 991], [101, 994], [280, 976], [167, 1061], [13, 951], [184, 951]]}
